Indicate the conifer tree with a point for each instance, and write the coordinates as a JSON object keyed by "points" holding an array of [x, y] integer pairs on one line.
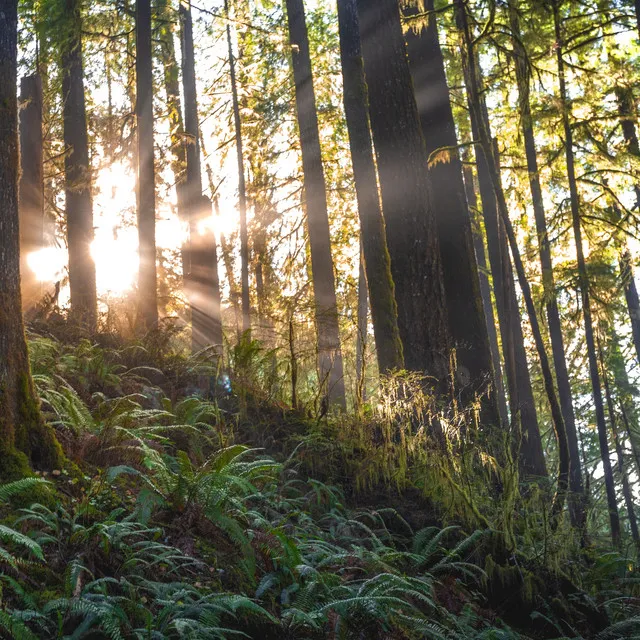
{"points": [[25, 440]]}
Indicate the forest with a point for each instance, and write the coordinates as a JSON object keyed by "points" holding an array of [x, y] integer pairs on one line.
{"points": [[319, 319]]}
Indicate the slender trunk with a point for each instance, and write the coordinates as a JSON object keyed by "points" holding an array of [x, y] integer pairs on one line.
{"points": [[485, 141], [242, 190], [576, 496], [637, 5], [79, 209], [31, 188], [203, 288], [626, 489], [467, 324], [384, 312], [584, 284], [627, 111], [361, 331], [24, 438], [406, 199], [521, 402], [330, 357], [485, 292], [147, 275], [625, 391]]}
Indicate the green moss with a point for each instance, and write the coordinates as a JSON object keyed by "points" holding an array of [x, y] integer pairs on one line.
{"points": [[15, 464], [32, 436]]}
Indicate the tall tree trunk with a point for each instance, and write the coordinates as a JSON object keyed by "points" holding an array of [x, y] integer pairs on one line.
{"points": [[171, 70], [576, 496], [521, 402], [203, 282], [485, 292], [330, 357], [377, 263], [467, 324], [625, 391], [361, 331], [626, 489], [627, 111], [79, 209], [32, 222], [24, 438], [494, 173], [147, 274], [242, 189], [584, 283], [406, 201]]}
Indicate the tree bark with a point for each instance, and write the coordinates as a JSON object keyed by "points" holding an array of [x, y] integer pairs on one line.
{"points": [[242, 189], [203, 280], [576, 496], [147, 274], [406, 201], [467, 324], [485, 292], [521, 402], [627, 111], [31, 188], [377, 264], [171, 75], [24, 438], [361, 329], [626, 489], [326, 307], [79, 208], [584, 283]]}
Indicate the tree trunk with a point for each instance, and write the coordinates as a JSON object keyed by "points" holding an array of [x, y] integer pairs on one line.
{"points": [[171, 74], [626, 489], [79, 209], [576, 496], [384, 312], [242, 190], [627, 111], [494, 173], [584, 285], [147, 275], [203, 282], [521, 402], [485, 292], [467, 324], [406, 201], [330, 357], [32, 222], [24, 438], [361, 329]]}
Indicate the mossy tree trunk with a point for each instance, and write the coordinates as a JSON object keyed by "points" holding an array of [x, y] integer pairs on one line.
{"points": [[406, 200], [25, 441], [467, 324], [375, 254]]}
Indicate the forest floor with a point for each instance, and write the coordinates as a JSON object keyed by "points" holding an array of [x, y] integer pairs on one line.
{"points": [[184, 513]]}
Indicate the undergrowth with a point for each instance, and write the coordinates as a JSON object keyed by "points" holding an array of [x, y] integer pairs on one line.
{"points": [[195, 504]]}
